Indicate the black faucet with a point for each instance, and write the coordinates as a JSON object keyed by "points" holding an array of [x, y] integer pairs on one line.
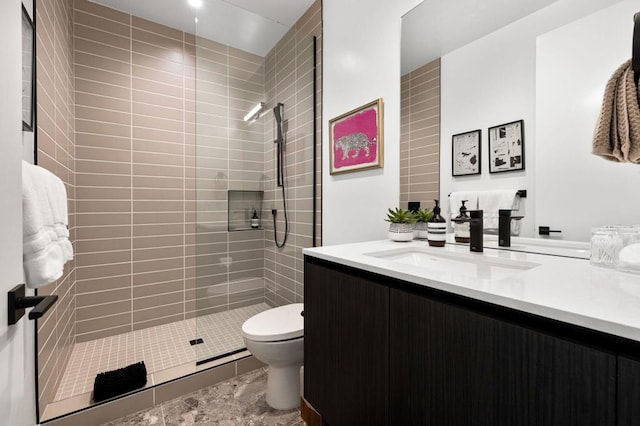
{"points": [[476, 229], [504, 227]]}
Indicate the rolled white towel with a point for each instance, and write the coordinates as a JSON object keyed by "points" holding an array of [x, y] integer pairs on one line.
{"points": [[492, 201], [43, 267], [38, 228], [43, 259], [57, 197], [35, 236]]}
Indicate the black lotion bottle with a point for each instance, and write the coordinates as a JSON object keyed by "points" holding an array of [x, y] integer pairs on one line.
{"points": [[437, 228]]}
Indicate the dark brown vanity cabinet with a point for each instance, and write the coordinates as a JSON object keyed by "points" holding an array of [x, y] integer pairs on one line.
{"points": [[628, 391], [346, 352], [379, 351], [453, 366]]}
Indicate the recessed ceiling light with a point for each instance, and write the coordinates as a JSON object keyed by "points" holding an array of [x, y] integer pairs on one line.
{"points": [[195, 3]]}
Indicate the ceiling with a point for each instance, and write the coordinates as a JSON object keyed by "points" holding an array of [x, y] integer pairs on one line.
{"points": [[436, 27], [249, 25]]}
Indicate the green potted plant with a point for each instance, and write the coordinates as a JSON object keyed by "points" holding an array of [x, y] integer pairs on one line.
{"points": [[401, 224], [422, 217]]}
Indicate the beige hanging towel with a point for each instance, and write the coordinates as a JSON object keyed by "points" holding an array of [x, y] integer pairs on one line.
{"points": [[617, 134]]}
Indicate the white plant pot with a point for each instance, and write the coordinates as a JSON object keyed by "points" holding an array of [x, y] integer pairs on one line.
{"points": [[401, 231], [421, 230]]}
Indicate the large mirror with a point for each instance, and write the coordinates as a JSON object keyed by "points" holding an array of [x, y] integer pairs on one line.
{"points": [[470, 65]]}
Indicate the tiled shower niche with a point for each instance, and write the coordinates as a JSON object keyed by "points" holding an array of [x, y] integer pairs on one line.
{"points": [[242, 206]]}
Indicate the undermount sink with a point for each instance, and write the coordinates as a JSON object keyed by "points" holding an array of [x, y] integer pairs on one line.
{"points": [[469, 265]]}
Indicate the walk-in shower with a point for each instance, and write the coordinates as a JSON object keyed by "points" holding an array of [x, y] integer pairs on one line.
{"points": [[169, 179]]}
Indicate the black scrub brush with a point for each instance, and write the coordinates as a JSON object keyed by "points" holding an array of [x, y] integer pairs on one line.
{"points": [[120, 381]]}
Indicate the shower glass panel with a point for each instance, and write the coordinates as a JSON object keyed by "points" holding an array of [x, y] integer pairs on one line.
{"points": [[238, 270], [174, 190]]}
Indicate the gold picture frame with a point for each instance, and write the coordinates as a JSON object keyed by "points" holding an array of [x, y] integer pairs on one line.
{"points": [[356, 139]]}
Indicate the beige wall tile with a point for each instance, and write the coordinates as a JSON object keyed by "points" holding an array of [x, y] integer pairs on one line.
{"points": [[100, 232], [102, 219], [100, 297], [142, 291], [102, 310], [159, 300], [152, 27], [91, 272], [155, 313], [158, 241], [83, 31], [99, 245], [157, 265], [93, 335], [158, 253], [102, 258], [159, 99], [102, 323], [158, 277]]}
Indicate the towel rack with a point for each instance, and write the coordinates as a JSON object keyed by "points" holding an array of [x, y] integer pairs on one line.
{"points": [[635, 58], [17, 302], [522, 193]]}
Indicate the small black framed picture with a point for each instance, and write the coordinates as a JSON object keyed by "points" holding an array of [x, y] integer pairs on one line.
{"points": [[465, 153], [506, 147], [28, 70]]}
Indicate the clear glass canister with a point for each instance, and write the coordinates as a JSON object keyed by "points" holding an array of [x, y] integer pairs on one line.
{"points": [[629, 234], [606, 243], [629, 255]]}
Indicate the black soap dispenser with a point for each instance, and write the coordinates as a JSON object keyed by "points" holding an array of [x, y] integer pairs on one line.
{"points": [[255, 220], [437, 228], [461, 225]]}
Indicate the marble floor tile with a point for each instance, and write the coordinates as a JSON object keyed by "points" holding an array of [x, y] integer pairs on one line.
{"points": [[237, 402], [151, 417]]}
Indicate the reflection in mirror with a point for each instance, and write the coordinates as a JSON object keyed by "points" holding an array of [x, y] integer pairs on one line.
{"points": [[479, 65]]}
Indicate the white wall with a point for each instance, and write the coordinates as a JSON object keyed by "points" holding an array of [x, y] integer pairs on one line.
{"points": [[17, 371], [486, 83], [361, 62], [577, 190], [493, 81]]}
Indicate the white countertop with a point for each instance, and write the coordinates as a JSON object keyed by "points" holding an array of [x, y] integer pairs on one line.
{"points": [[565, 289]]}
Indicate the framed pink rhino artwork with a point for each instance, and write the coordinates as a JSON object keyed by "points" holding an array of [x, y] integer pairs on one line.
{"points": [[356, 139]]}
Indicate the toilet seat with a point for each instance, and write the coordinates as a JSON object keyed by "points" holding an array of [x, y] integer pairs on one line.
{"points": [[281, 323]]}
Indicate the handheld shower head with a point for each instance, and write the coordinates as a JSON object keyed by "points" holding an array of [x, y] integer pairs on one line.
{"points": [[278, 112]]}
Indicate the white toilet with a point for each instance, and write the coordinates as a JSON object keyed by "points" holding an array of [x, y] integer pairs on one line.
{"points": [[275, 337]]}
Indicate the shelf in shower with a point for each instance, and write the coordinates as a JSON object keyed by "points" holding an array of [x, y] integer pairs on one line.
{"points": [[241, 205]]}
